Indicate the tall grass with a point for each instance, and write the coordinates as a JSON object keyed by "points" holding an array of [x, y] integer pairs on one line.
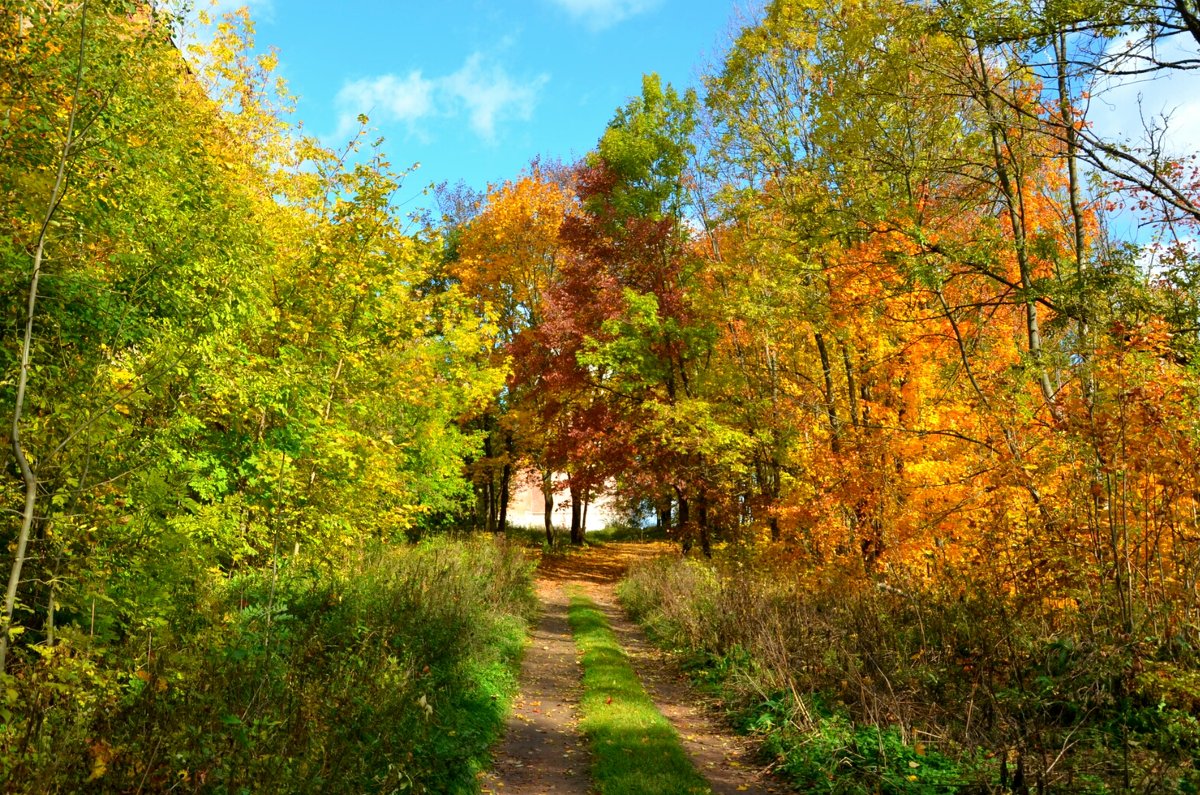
{"points": [[888, 687], [390, 676]]}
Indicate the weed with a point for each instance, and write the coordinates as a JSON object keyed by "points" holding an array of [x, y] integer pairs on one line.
{"points": [[902, 689], [393, 675]]}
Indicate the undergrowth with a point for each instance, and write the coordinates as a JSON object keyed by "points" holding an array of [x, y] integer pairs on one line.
{"points": [[536, 536], [889, 689], [393, 675]]}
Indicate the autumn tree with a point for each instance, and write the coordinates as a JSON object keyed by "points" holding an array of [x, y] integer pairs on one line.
{"points": [[640, 335], [508, 259]]}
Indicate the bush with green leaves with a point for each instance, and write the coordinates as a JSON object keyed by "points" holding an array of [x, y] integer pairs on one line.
{"points": [[390, 676]]}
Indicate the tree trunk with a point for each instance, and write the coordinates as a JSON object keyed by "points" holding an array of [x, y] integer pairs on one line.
{"points": [[489, 496], [505, 482], [548, 497], [835, 425], [1010, 176], [1010, 439], [325, 415], [769, 489], [870, 533], [576, 515], [505, 485], [1071, 138], [489, 487], [663, 515], [702, 527], [851, 385], [479, 519], [685, 530]]}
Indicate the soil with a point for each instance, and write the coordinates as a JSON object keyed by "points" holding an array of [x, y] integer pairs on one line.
{"points": [[543, 751]]}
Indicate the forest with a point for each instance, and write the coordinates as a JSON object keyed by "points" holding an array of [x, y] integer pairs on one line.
{"points": [[890, 342]]}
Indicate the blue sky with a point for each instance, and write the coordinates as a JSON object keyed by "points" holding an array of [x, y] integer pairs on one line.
{"points": [[474, 90]]}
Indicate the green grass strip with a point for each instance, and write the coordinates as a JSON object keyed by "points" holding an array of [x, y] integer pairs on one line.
{"points": [[635, 749]]}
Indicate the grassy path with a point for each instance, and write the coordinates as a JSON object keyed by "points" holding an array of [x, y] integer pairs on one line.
{"points": [[634, 748]]}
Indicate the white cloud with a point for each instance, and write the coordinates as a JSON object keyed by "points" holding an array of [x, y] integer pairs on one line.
{"points": [[482, 91], [387, 98], [601, 14], [488, 95]]}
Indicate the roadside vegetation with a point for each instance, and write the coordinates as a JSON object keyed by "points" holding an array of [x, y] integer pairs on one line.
{"points": [[535, 537], [234, 396], [391, 675], [878, 688]]}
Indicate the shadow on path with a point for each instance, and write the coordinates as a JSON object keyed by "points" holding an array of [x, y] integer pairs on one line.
{"points": [[542, 751]]}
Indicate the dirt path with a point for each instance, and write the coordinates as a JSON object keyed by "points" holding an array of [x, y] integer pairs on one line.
{"points": [[542, 751]]}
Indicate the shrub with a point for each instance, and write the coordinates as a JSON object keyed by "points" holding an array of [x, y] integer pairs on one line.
{"points": [[391, 676], [888, 686]]}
